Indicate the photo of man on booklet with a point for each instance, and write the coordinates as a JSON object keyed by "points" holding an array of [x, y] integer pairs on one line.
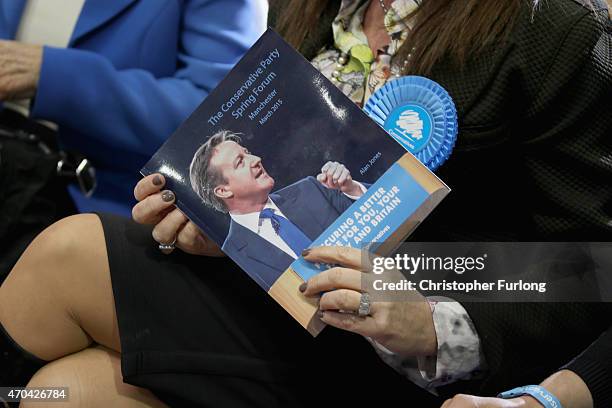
{"points": [[270, 225]]}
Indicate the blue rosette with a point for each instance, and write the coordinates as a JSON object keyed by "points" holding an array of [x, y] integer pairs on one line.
{"points": [[419, 114]]}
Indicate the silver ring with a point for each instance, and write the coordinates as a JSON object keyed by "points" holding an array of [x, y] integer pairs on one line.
{"points": [[167, 247], [364, 305]]}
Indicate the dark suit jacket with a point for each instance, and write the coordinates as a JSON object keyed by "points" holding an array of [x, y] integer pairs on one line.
{"points": [[533, 161], [309, 205]]}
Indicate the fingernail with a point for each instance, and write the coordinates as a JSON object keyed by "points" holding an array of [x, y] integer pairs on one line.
{"points": [[303, 287], [306, 252], [157, 180], [320, 313], [168, 196]]}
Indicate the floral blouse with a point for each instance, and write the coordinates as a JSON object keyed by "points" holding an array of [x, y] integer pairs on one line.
{"points": [[364, 72]]}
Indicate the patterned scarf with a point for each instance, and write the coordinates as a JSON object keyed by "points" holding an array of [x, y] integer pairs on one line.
{"points": [[364, 72]]}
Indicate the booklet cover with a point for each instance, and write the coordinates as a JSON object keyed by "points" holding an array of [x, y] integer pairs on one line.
{"points": [[276, 159]]}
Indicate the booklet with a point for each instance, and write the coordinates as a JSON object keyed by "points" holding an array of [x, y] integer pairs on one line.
{"points": [[276, 159]]}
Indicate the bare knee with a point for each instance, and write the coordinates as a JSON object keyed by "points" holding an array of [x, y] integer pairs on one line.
{"points": [[58, 252], [69, 238], [47, 297], [92, 377], [69, 241]]}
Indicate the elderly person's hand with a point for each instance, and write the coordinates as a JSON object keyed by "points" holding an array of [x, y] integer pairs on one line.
{"points": [[156, 207], [19, 69], [470, 401], [404, 327]]}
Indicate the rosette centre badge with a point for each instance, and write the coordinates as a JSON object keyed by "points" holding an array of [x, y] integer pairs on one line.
{"points": [[419, 114], [411, 125]]}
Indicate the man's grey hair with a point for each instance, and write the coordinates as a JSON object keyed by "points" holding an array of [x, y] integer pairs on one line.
{"points": [[205, 178]]}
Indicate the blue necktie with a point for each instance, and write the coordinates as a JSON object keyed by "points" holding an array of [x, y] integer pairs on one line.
{"points": [[287, 230]]}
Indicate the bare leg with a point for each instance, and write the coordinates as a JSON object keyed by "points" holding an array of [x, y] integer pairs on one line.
{"points": [[59, 298], [93, 379], [56, 302]]}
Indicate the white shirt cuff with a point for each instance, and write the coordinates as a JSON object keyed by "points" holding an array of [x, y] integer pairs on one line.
{"points": [[361, 187], [459, 354]]}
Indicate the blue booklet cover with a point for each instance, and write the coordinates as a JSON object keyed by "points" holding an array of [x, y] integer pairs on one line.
{"points": [[276, 159]]}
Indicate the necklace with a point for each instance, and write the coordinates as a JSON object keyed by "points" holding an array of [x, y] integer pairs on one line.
{"points": [[382, 5], [343, 59], [341, 62]]}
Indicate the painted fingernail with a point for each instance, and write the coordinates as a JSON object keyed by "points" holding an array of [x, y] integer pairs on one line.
{"points": [[306, 252], [157, 180], [303, 287], [168, 196]]}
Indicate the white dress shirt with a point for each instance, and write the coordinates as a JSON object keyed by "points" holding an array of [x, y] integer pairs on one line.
{"points": [[45, 22], [265, 230]]}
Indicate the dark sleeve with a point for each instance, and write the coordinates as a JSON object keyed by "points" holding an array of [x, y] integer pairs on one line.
{"points": [[567, 136], [567, 140], [338, 200], [594, 366]]}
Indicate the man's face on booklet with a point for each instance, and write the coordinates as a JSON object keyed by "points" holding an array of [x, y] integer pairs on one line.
{"points": [[246, 180]]}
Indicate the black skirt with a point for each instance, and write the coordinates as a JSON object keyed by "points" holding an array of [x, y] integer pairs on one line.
{"points": [[197, 331]]}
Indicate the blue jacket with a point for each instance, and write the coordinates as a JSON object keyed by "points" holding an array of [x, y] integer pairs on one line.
{"points": [[134, 70], [309, 205]]}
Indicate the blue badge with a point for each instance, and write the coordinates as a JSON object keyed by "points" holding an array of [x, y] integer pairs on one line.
{"points": [[419, 114]]}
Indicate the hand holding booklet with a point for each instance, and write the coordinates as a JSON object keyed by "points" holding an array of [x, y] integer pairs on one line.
{"points": [[276, 160]]}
